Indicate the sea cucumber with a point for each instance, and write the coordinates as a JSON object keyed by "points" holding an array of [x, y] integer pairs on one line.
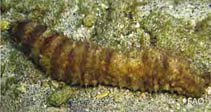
{"points": [[88, 64]]}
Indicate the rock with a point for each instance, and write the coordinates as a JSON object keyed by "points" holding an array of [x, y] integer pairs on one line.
{"points": [[60, 97], [4, 25], [89, 20]]}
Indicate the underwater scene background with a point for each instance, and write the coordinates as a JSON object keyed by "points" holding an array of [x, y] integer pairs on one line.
{"points": [[165, 28]]}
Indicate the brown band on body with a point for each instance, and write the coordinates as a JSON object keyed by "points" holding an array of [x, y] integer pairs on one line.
{"points": [[47, 50], [67, 47], [35, 33], [84, 61], [18, 31], [69, 67], [47, 42], [95, 62], [165, 62], [55, 56], [108, 59]]}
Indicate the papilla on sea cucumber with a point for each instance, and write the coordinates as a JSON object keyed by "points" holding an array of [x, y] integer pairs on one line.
{"points": [[87, 64]]}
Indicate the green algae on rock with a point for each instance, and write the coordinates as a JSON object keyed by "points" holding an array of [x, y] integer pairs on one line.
{"points": [[86, 64], [4, 25], [60, 96], [89, 20]]}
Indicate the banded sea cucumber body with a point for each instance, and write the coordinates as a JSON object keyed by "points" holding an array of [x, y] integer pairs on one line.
{"points": [[87, 64]]}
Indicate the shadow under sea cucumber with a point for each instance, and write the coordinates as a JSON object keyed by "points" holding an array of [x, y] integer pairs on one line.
{"points": [[87, 64]]}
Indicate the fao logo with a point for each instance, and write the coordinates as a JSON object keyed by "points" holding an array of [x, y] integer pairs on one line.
{"points": [[195, 101]]}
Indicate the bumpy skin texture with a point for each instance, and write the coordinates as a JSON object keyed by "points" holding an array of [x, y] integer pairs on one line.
{"points": [[86, 64]]}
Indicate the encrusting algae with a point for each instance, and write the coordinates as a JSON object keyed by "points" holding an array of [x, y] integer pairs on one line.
{"points": [[87, 64]]}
